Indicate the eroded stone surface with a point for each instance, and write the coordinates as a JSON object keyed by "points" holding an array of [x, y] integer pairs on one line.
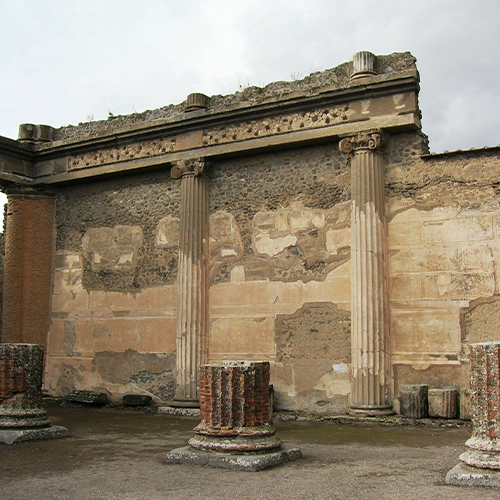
{"points": [[235, 409], [21, 369], [413, 401], [484, 446]]}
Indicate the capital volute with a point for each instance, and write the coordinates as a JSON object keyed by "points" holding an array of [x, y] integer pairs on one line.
{"points": [[191, 168], [361, 141]]}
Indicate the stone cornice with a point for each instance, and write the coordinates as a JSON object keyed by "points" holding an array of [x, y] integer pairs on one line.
{"points": [[385, 102], [160, 128], [241, 148]]}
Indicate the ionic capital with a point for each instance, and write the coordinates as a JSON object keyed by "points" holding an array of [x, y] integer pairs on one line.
{"points": [[361, 141], [185, 168]]}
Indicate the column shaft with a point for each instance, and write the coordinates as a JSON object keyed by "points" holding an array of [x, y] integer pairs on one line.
{"points": [[192, 310], [369, 305]]}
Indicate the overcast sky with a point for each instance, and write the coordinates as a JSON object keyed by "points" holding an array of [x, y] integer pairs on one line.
{"points": [[67, 61]]}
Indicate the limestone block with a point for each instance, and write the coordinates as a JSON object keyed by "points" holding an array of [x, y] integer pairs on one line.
{"points": [[458, 229], [458, 285], [478, 256], [159, 297], [405, 287], [68, 272], [240, 336], [335, 382], [55, 337], [136, 400], [338, 238], [443, 403], [87, 397], [403, 234], [413, 401], [167, 232], [464, 402], [70, 301], [276, 230], [101, 301], [430, 258], [421, 330]]}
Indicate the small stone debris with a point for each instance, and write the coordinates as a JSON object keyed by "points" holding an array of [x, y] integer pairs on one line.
{"points": [[87, 397]]}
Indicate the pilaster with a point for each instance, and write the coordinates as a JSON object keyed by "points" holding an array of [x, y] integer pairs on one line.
{"points": [[192, 310], [369, 304]]}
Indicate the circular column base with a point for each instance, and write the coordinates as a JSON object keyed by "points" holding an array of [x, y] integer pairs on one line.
{"points": [[482, 453], [235, 444], [16, 418], [371, 411], [481, 459]]}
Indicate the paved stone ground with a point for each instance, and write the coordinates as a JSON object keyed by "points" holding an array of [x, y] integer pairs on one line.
{"points": [[114, 454]]}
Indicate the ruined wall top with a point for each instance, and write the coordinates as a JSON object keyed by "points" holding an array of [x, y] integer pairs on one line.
{"points": [[331, 79]]}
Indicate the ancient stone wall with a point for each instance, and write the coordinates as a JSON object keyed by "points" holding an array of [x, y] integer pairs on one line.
{"points": [[279, 274], [114, 294], [444, 246], [281, 287]]}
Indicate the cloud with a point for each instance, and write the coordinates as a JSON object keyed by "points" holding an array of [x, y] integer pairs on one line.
{"points": [[66, 61]]}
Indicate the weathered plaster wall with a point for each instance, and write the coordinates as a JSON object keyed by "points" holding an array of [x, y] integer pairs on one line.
{"points": [[444, 246], [114, 299], [280, 277], [279, 273]]}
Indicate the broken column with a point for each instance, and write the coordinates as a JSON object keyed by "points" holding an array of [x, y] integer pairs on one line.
{"points": [[192, 304], [413, 401], [236, 428], [481, 462], [370, 394], [22, 416]]}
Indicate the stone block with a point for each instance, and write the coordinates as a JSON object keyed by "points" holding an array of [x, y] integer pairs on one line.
{"points": [[430, 330], [413, 401], [464, 404], [136, 400], [87, 397], [443, 403]]}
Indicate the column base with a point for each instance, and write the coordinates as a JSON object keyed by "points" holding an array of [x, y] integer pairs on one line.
{"points": [[371, 411], [235, 444], [21, 435], [249, 462], [17, 418], [464, 475]]}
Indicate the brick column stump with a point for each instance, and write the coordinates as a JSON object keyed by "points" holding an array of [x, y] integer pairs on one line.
{"points": [[22, 416], [236, 428], [481, 461]]}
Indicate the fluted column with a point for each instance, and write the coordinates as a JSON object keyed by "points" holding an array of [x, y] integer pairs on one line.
{"points": [[192, 308], [369, 306]]}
